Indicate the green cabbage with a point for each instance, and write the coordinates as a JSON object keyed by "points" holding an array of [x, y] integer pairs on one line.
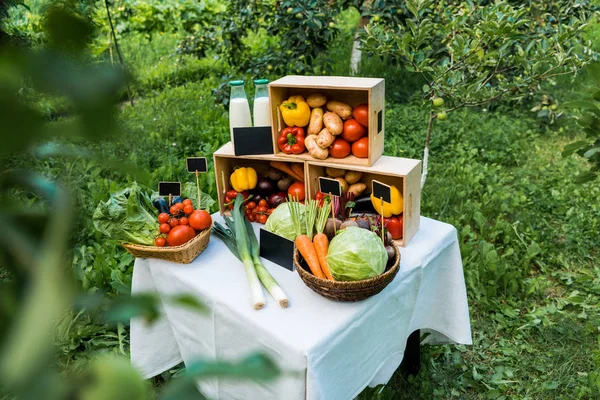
{"points": [[355, 254], [280, 221]]}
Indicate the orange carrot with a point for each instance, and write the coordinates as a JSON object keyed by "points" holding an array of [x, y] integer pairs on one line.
{"points": [[307, 249], [321, 243], [298, 169], [286, 168]]}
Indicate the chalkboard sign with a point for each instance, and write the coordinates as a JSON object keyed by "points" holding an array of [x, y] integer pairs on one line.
{"points": [[328, 185], [379, 121], [169, 189], [382, 191], [196, 164], [253, 141], [277, 249]]}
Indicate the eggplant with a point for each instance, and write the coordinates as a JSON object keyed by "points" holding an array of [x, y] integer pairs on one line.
{"points": [[264, 186], [161, 205], [363, 204], [176, 199], [276, 199]]}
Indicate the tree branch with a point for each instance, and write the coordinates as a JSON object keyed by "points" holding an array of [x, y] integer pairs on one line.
{"points": [[112, 30]]}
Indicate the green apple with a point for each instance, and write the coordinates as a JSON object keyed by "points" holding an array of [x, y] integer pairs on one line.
{"points": [[553, 107], [376, 18], [299, 15], [290, 10], [438, 102], [442, 116], [332, 24]]}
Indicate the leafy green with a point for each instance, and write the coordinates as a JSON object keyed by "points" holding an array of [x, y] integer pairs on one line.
{"points": [[355, 254], [280, 221], [124, 217]]}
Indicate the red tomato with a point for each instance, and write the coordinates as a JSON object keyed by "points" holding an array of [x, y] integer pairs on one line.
{"points": [[261, 209], [200, 220], [179, 205], [320, 197], [353, 130], [173, 222], [394, 226], [251, 217], [164, 228], [361, 114], [263, 203], [250, 205], [174, 210], [360, 148], [297, 191], [186, 202], [179, 235], [339, 149], [184, 221], [160, 241], [188, 209], [163, 217], [262, 218]]}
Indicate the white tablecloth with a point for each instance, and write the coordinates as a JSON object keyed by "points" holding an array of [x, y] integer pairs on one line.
{"points": [[330, 350]]}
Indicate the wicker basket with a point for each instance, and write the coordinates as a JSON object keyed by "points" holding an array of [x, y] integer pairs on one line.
{"points": [[347, 291], [184, 254]]}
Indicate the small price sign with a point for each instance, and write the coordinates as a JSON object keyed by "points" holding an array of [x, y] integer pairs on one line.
{"points": [[166, 189], [330, 186]]}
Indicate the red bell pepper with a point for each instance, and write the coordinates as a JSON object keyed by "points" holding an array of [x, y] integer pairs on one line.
{"points": [[291, 140]]}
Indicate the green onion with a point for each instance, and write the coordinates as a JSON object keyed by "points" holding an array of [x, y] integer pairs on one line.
{"points": [[322, 216], [310, 217]]}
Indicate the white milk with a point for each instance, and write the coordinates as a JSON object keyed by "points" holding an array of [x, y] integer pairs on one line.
{"points": [[262, 112], [239, 114]]}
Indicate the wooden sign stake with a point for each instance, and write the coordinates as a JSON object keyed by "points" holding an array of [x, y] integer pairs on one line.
{"points": [[170, 199], [382, 222], [333, 215], [198, 187]]}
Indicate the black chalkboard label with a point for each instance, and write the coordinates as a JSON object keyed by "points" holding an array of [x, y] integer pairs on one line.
{"points": [[277, 249], [253, 141], [169, 188], [328, 185], [196, 164], [382, 191], [379, 121]]}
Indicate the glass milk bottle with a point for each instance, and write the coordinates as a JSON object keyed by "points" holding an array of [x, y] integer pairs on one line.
{"points": [[262, 111], [239, 109]]}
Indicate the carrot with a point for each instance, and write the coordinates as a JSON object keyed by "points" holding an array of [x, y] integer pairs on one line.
{"points": [[298, 169], [307, 249], [286, 168], [321, 243]]}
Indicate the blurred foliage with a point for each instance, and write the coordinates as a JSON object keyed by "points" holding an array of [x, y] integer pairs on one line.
{"points": [[588, 148]]}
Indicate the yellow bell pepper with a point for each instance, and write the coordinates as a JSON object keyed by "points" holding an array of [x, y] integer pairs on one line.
{"points": [[243, 179], [295, 111], [394, 208]]}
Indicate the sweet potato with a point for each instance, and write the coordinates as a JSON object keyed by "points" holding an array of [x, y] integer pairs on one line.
{"points": [[325, 138], [342, 109], [333, 122], [316, 100], [357, 189], [316, 121]]}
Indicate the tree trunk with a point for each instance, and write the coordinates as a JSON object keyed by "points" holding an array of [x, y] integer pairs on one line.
{"points": [[356, 54], [432, 116]]}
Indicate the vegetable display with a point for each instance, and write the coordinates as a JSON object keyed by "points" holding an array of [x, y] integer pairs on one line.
{"points": [[356, 254], [240, 239], [331, 127]]}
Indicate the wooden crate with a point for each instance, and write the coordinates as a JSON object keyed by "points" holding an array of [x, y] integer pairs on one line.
{"points": [[353, 91], [404, 173], [224, 162]]}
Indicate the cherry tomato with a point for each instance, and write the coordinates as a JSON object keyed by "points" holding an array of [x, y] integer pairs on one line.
{"points": [[200, 220], [163, 217], [164, 228], [394, 226], [188, 209], [353, 130], [263, 203], [173, 222], [339, 149], [262, 218], [184, 221], [179, 235], [297, 191], [251, 218], [179, 205], [361, 114], [174, 210], [232, 194], [360, 148], [270, 211], [186, 202], [160, 241], [250, 205]]}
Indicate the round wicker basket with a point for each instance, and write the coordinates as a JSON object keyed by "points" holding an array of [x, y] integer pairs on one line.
{"points": [[184, 254], [347, 290]]}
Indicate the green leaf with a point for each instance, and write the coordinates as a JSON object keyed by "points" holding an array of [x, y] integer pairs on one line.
{"points": [[124, 308], [189, 301], [573, 147], [533, 250], [586, 177]]}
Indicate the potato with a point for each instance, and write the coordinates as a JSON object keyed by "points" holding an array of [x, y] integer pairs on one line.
{"points": [[316, 100], [353, 177], [335, 172], [333, 122], [343, 183], [316, 121], [342, 109], [313, 148], [357, 189], [325, 138]]}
